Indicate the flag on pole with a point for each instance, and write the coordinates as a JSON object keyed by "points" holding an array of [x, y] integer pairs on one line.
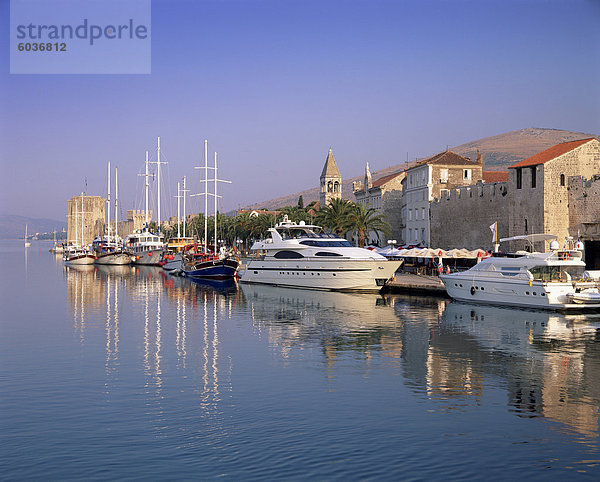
{"points": [[494, 234]]}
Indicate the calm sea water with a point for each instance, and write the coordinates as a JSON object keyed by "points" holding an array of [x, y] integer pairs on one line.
{"points": [[126, 373]]}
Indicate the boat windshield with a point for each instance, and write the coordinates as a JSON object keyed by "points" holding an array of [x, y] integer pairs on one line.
{"points": [[337, 243], [557, 273]]}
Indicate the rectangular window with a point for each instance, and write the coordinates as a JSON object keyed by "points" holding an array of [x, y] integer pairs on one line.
{"points": [[409, 234], [423, 234], [533, 177], [422, 213], [467, 174], [519, 178], [410, 214], [443, 176]]}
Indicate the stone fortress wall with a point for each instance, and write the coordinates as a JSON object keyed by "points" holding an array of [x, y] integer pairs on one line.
{"points": [[462, 217]]}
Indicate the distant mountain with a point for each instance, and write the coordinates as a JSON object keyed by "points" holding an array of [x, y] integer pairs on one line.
{"points": [[498, 153], [13, 227], [503, 150]]}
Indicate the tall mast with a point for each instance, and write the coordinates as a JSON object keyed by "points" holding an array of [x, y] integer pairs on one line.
{"points": [[216, 180], [158, 179], [215, 191], [158, 163], [178, 209], [82, 220], [146, 175], [116, 204], [184, 195], [107, 202], [205, 195]]}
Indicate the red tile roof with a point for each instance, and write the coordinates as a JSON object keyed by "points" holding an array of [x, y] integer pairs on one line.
{"points": [[495, 176], [551, 153], [382, 180], [447, 158]]}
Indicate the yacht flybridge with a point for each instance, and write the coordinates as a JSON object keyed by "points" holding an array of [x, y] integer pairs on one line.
{"points": [[552, 280], [303, 256]]}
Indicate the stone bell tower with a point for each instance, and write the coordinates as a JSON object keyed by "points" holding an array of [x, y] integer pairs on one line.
{"points": [[331, 181]]}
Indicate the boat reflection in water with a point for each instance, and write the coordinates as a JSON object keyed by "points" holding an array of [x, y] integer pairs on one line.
{"points": [[548, 360], [335, 321]]}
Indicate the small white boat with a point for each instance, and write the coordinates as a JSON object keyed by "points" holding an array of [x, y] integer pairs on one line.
{"points": [[590, 296], [27, 242], [303, 256], [553, 280]]}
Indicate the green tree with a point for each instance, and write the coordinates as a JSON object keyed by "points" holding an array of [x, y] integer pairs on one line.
{"points": [[300, 202], [334, 216], [363, 220]]}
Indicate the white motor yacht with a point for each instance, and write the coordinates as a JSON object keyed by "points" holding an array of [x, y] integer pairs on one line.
{"points": [[303, 256], [552, 280]]}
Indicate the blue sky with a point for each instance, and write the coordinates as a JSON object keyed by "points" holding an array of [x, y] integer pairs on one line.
{"points": [[273, 84]]}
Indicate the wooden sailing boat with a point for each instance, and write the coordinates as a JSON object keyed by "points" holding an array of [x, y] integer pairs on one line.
{"points": [[76, 254], [200, 263], [107, 248]]}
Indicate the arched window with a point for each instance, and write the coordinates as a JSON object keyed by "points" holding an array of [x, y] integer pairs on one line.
{"points": [[562, 179], [336, 186], [330, 186]]}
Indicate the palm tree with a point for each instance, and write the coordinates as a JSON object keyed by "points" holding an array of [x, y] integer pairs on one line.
{"points": [[334, 216], [363, 219]]}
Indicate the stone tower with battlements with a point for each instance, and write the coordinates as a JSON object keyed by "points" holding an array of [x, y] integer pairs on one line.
{"points": [[331, 181]]}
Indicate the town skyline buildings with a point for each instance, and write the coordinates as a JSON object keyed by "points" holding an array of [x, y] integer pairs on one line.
{"points": [[273, 85]]}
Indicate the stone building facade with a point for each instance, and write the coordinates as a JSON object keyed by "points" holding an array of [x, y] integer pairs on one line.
{"points": [[385, 196], [428, 179], [85, 216], [462, 217], [331, 181], [539, 191], [136, 221], [584, 216]]}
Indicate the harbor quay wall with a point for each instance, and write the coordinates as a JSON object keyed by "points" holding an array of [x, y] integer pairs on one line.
{"points": [[462, 217]]}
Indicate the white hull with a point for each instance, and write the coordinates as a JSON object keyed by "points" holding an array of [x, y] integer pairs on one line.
{"points": [[514, 292], [79, 260], [114, 259], [321, 274]]}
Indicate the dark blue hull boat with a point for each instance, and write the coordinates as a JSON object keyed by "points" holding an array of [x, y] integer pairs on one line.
{"points": [[217, 269]]}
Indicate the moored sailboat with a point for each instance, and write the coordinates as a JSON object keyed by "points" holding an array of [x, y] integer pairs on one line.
{"points": [[200, 263], [108, 249], [76, 254]]}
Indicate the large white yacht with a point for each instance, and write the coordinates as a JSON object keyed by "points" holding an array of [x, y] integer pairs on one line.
{"points": [[303, 256], [552, 280]]}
